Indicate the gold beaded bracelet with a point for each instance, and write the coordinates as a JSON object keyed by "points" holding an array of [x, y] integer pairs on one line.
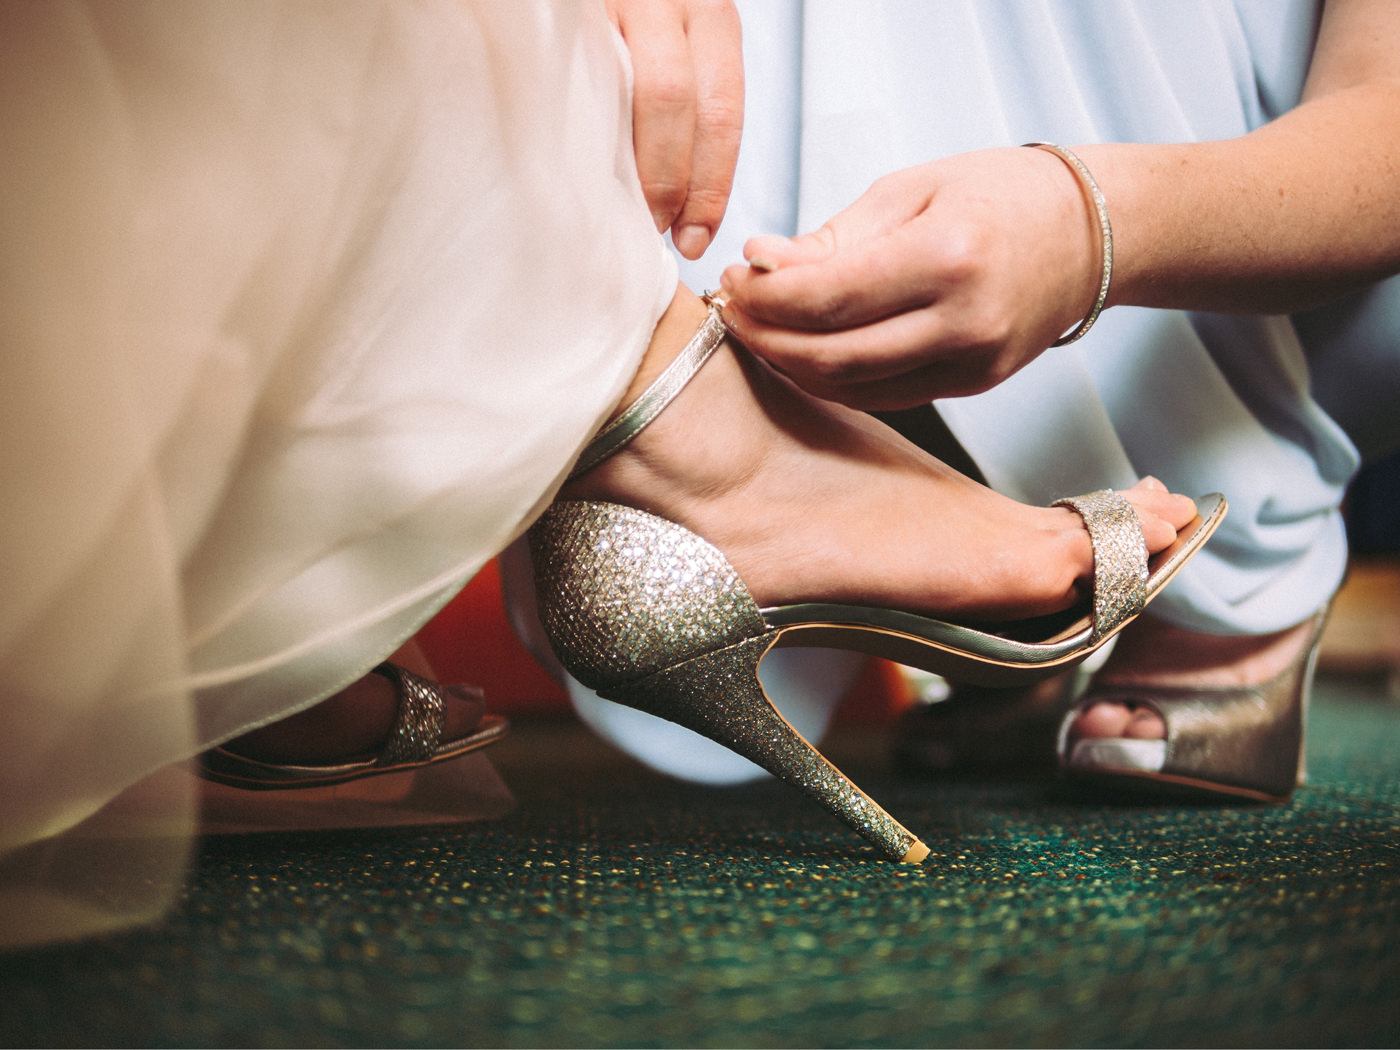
{"points": [[1105, 237]]}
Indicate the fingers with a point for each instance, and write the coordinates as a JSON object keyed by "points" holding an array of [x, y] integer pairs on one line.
{"points": [[893, 302], [930, 285], [886, 365], [663, 101], [687, 110], [873, 260], [717, 55], [769, 252], [814, 289]]}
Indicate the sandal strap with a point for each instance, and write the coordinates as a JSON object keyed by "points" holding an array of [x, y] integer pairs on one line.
{"points": [[1120, 556], [418, 720], [661, 393]]}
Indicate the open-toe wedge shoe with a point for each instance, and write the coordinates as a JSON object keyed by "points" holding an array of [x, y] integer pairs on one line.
{"points": [[414, 740], [651, 615], [1222, 742]]}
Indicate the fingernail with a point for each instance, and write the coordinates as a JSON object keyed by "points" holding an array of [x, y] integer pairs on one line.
{"points": [[691, 241], [762, 265]]}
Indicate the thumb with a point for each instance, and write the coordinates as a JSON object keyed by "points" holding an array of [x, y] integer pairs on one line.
{"points": [[770, 252], [878, 212]]}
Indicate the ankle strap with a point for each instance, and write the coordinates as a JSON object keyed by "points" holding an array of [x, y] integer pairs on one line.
{"points": [[661, 393]]}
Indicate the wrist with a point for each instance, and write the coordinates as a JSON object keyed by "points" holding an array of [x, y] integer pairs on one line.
{"points": [[1103, 227]]}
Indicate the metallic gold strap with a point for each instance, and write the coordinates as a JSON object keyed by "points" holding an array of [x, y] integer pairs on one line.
{"points": [[660, 394], [1105, 237], [1120, 556], [418, 722]]}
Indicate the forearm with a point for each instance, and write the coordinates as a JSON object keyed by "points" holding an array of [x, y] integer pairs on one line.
{"points": [[1297, 212]]}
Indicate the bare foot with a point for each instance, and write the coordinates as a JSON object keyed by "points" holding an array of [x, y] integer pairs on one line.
{"points": [[811, 500], [355, 721], [1152, 652]]}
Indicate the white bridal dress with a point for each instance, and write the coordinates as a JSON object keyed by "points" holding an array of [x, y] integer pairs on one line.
{"points": [[305, 309]]}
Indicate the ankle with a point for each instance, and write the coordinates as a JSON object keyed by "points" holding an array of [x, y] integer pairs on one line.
{"points": [[675, 329], [705, 441]]}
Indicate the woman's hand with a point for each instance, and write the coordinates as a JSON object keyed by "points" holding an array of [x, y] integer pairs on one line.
{"points": [[687, 110], [946, 278], [942, 280]]}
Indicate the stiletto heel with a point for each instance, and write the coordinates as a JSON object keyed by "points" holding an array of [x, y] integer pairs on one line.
{"points": [[647, 613]]}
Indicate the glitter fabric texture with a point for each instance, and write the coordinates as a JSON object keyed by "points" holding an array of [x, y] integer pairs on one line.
{"points": [[719, 696], [624, 594], [418, 723], [1120, 556], [652, 616]]}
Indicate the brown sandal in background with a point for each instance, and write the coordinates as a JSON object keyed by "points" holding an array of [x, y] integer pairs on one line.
{"points": [[414, 740]]}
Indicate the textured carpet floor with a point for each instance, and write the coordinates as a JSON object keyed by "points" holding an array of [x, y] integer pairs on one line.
{"points": [[615, 908]]}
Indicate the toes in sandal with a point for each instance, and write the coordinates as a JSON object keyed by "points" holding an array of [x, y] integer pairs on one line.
{"points": [[651, 615], [414, 740], [1230, 742]]}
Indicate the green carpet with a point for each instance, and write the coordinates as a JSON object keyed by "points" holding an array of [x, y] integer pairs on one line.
{"points": [[615, 908]]}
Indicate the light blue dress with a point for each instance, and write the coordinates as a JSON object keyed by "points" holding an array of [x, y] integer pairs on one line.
{"points": [[1272, 411]]}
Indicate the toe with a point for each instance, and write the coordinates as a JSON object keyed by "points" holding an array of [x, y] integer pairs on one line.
{"points": [[1100, 720], [1162, 514], [1145, 724]]}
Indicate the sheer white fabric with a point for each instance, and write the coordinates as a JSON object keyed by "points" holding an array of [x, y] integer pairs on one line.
{"points": [[305, 309]]}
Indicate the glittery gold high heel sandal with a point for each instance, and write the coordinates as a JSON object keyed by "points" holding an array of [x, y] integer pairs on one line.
{"points": [[650, 615], [414, 740], [1222, 742]]}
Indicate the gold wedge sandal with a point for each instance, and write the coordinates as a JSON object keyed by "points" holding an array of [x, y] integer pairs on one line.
{"points": [[650, 615], [414, 740], [1223, 742]]}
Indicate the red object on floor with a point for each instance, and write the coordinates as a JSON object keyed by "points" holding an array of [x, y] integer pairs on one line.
{"points": [[471, 641], [879, 695]]}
